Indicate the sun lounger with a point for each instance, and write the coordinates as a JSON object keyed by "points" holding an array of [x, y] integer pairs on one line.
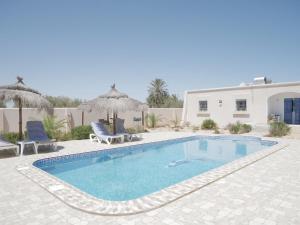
{"points": [[101, 134], [121, 129], [4, 145], [37, 134]]}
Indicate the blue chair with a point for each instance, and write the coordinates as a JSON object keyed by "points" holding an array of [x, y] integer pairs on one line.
{"points": [[121, 129], [36, 133], [101, 134]]}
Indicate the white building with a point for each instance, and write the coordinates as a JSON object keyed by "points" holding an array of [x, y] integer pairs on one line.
{"points": [[253, 103]]}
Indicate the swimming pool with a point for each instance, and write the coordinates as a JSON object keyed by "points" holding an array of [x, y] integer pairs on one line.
{"points": [[127, 173]]}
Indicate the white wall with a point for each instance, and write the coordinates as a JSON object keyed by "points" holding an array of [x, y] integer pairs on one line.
{"points": [[257, 103], [222, 113]]}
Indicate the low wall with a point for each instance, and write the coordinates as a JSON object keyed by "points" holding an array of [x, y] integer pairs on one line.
{"points": [[166, 115], [9, 117]]}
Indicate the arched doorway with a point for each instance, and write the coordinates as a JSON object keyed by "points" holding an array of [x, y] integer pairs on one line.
{"points": [[285, 107]]}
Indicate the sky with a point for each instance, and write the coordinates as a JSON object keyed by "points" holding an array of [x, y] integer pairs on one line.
{"points": [[80, 48]]}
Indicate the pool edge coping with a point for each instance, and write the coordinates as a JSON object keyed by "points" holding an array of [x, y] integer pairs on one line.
{"points": [[83, 201]]}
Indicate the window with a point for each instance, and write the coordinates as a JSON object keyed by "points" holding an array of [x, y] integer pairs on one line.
{"points": [[241, 105], [202, 105]]}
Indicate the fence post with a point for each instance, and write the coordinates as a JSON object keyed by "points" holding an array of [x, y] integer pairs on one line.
{"points": [[1, 121], [82, 118], [143, 119]]}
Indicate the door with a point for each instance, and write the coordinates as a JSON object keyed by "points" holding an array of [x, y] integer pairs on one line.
{"points": [[288, 110], [297, 110]]}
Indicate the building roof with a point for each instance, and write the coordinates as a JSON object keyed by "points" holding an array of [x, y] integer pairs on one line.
{"points": [[245, 87]]}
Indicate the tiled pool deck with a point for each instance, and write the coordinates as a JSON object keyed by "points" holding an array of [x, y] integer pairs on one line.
{"points": [[266, 192]]}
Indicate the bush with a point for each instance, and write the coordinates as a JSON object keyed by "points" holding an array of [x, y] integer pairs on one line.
{"points": [[279, 129], [217, 131], [246, 128], [65, 136], [208, 124], [152, 120], [11, 137], [233, 128], [131, 130], [53, 127], [81, 132], [135, 130], [239, 128]]}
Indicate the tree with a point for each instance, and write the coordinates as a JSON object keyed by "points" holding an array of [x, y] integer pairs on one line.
{"points": [[63, 102], [158, 93], [159, 96], [173, 102]]}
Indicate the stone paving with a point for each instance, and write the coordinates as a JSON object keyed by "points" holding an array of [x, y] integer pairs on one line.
{"points": [[266, 192]]}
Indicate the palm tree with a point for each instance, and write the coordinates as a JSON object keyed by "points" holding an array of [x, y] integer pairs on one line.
{"points": [[173, 102], [158, 93]]}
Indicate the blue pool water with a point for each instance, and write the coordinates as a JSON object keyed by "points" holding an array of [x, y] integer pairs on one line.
{"points": [[127, 173]]}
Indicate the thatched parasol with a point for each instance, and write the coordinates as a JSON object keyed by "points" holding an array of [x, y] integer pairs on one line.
{"points": [[113, 102], [23, 95]]}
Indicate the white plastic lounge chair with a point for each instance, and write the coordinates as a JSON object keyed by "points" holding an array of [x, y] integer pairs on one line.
{"points": [[4, 145], [37, 134], [121, 129], [101, 134]]}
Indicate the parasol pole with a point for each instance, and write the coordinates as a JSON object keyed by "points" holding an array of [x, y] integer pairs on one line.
{"points": [[107, 117], [114, 123], [20, 119]]}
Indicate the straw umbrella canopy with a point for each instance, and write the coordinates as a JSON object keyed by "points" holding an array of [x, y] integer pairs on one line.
{"points": [[113, 102], [23, 95]]}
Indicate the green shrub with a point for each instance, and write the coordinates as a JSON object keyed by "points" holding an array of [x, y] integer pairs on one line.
{"points": [[217, 131], [81, 132], [53, 127], [279, 129], [65, 136], [11, 137], [131, 130], [208, 124], [152, 120], [234, 128], [246, 128], [135, 130], [239, 128]]}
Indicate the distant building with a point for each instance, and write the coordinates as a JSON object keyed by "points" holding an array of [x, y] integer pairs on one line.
{"points": [[254, 103]]}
